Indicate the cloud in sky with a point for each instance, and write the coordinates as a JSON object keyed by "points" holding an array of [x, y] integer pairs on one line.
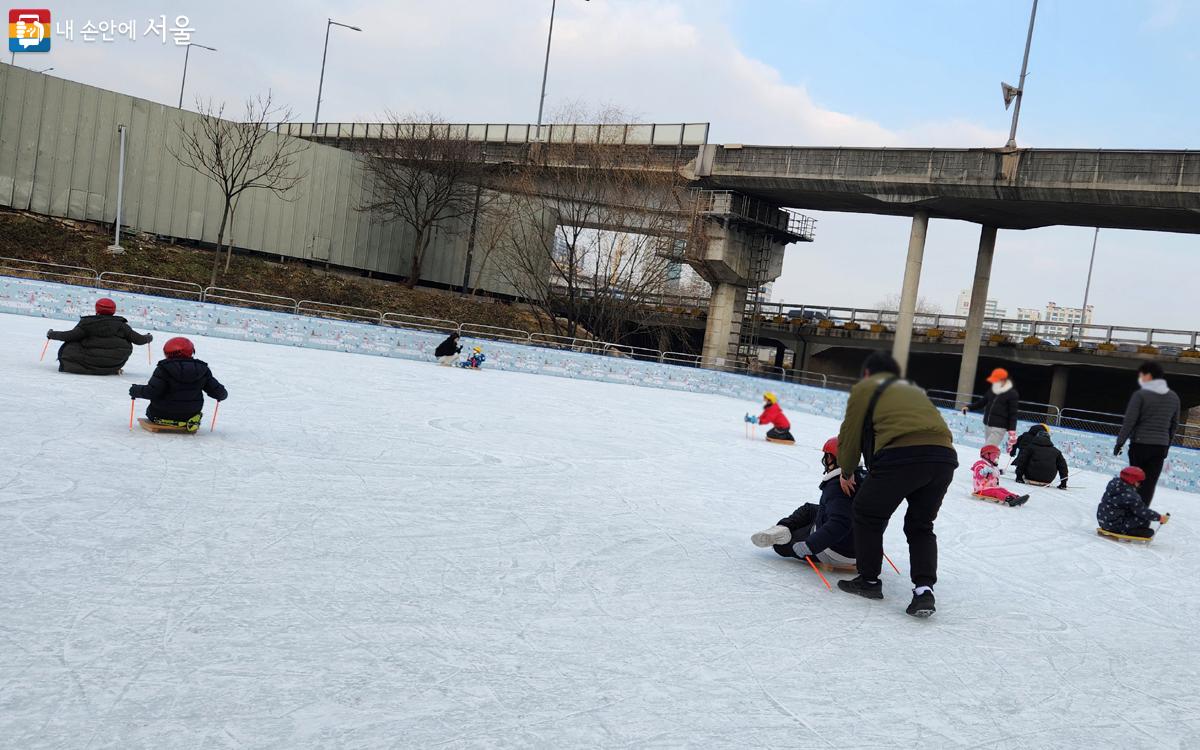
{"points": [[663, 61]]}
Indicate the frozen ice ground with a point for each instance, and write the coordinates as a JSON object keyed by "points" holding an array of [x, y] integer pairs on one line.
{"points": [[379, 553]]}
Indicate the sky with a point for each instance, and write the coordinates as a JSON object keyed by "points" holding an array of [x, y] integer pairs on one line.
{"points": [[1103, 74]]}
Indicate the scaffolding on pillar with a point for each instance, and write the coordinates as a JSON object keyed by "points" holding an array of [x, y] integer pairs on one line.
{"points": [[758, 276]]}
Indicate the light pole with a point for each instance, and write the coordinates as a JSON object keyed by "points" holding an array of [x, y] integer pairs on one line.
{"points": [[1018, 93], [1087, 289], [187, 53], [546, 69], [321, 84], [44, 70]]}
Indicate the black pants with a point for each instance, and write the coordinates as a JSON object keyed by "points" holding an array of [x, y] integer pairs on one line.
{"points": [[924, 485], [1148, 458], [777, 434], [800, 523]]}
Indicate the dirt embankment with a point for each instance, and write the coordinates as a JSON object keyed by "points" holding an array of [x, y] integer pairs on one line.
{"points": [[41, 238]]}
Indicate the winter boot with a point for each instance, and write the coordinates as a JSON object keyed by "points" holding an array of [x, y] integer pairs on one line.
{"points": [[862, 587], [772, 536], [1014, 502], [922, 604]]}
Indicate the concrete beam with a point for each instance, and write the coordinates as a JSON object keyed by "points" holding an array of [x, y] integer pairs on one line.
{"points": [[1058, 387], [912, 283], [724, 322], [974, 333]]}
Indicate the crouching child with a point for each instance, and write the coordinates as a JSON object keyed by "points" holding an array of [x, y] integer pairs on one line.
{"points": [[177, 387], [1122, 510], [822, 531], [986, 473]]}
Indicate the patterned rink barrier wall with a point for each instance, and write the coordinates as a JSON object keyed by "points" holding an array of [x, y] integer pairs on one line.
{"points": [[1083, 450]]}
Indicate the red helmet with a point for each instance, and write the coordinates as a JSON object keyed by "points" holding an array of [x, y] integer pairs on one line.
{"points": [[831, 446], [989, 453], [1132, 475], [105, 306], [178, 347]]}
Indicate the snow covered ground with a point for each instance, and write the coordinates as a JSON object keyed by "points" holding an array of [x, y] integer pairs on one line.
{"points": [[371, 552]]}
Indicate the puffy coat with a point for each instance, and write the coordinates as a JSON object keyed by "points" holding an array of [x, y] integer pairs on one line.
{"points": [[904, 418], [97, 345], [1122, 510], [177, 387], [984, 475], [773, 415], [1152, 416], [834, 526], [999, 409], [447, 347], [1037, 458]]}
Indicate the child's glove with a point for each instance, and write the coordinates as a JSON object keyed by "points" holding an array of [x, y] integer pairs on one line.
{"points": [[1012, 440], [751, 420], [133, 391], [1164, 518], [149, 337], [1063, 484], [801, 549]]}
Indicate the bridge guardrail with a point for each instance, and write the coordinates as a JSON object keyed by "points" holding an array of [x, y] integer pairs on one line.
{"points": [[152, 284]]}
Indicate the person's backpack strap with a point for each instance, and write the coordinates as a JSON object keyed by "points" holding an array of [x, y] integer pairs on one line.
{"points": [[868, 430]]}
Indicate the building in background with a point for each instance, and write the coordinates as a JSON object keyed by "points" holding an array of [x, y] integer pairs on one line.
{"points": [[1063, 318], [990, 310]]}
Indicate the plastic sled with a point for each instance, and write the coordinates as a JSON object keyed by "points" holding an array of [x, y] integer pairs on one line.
{"points": [[987, 499], [1123, 537], [149, 426], [777, 441], [830, 567]]}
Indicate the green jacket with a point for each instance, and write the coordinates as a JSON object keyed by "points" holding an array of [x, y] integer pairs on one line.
{"points": [[904, 417]]}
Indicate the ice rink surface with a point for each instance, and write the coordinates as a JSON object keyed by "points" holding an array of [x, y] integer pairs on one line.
{"points": [[372, 552]]}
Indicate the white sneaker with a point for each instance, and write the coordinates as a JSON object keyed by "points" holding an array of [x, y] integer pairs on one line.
{"points": [[772, 536]]}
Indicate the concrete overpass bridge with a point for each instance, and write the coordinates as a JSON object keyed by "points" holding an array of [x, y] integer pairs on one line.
{"points": [[1006, 188]]}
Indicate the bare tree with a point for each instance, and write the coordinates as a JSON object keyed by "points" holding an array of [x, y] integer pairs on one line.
{"points": [[426, 176], [892, 303], [239, 156], [590, 240]]}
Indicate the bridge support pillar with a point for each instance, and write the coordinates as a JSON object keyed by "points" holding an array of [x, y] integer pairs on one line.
{"points": [[1058, 387], [974, 334], [908, 293], [724, 322], [780, 351]]}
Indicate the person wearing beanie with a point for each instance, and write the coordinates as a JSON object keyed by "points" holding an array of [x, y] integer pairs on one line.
{"points": [[176, 389], [1000, 404], [1121, 509], [1151, 421], [99, 344]]}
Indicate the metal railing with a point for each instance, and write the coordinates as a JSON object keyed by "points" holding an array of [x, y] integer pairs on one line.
{"points": [[257, 300], [152, 284], [37, 269], [340, 312], [641, 134], [404, 320]]}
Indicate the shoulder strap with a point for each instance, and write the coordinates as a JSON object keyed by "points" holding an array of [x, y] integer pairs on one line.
{"points": [[868, 430]]}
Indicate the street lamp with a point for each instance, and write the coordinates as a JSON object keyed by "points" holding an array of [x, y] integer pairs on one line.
{"points": [[187, 53], [1018, 92], [321, 84], [44, 70], [546, 68]]}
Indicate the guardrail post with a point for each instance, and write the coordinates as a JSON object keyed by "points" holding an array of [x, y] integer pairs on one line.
{"points": [[1150, 337], [1109, 334]]}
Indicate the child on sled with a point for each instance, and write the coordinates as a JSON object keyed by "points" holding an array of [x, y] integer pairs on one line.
{"points": [[1122, 510], [177, 387], [986, 473], [475, 361], [773, 415]]}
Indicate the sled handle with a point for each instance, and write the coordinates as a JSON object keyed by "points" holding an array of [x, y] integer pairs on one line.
{"points": [[885, 557], [132, 405], [44, 348], [216, 411]]}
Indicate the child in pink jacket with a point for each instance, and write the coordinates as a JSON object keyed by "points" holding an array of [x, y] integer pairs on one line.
{"points": [[987, 479]]}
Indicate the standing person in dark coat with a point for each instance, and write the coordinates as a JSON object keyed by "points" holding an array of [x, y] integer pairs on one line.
{"points": [[1151, 421], [447, 351], [1000, 405], [822, 531], [1038, 461], [99, 344], [909, 453], [177, 387]]}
